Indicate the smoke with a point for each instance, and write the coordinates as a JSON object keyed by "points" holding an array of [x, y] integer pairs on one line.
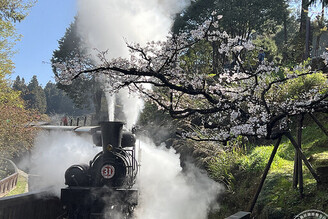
{"points": [[106, 24], [111, 105], [109, 24], [52, 154], [132, 106], [166, 192]]}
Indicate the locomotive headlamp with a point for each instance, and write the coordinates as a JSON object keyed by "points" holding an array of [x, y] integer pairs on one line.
{"points": [[109, 147]]}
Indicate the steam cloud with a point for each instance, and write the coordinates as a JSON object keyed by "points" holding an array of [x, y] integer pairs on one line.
{"points": [[166, 192], [106, 24], [53, 153]]}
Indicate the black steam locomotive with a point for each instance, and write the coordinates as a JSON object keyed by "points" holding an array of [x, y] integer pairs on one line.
{"points": [[105, 186]]}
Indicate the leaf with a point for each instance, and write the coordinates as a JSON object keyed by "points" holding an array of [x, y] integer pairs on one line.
{"points": [[211, 75], [324, 28]]}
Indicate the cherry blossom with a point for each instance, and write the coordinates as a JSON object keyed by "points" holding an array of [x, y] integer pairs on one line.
{"points": [[244, 99]]}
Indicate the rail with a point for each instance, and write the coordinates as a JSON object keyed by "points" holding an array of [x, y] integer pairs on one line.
{"points": [[10, 182]]}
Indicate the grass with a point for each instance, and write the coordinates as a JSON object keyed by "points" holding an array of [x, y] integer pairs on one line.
{"points": [[20, 187], [277, 199]]}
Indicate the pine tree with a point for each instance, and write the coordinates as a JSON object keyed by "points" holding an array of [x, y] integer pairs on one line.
{"points": [[35, 97]]}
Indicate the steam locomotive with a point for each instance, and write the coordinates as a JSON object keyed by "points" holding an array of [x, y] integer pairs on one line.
{"points": [[106, 185]]}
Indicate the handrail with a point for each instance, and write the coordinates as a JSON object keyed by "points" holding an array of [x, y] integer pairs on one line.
{"points": [[9, 182]]}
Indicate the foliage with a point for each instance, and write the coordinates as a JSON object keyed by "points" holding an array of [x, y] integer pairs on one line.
{"points": [[55, 99], [198, 59], [7, 95], [15, 137], [268, 45], [284, 36], [298, 88], [19, 85], [35, 96], [15, 134], [277, 198], [220, 167], [11, 11], [59, 103], [239, 18]]}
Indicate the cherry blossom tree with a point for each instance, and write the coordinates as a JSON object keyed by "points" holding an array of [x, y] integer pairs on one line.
{"points": [[247, 98]]}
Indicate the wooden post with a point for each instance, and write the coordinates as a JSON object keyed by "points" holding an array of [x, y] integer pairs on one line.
{"points": [[295, 174], [85, 120], [306, 162], [265, 173], [299, 160], [319, 124], [77, 121]]}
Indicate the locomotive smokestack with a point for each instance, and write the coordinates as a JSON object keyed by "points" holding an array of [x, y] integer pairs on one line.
{"points": [[111, 134]]}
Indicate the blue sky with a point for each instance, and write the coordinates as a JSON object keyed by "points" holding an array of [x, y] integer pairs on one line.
{"points": [[41, 30]]}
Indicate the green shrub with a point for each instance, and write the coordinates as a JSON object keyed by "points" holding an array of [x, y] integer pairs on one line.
{"points": [[221, 167]]}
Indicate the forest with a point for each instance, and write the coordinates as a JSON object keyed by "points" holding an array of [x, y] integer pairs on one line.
{"points": [[238, 87]]}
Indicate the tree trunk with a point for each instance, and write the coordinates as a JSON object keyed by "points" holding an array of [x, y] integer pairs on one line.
{"points": [[284, 54], [303, 24]]}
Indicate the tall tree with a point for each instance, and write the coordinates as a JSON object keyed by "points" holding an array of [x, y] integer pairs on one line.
{"points": [[84, 92], [35, 97], [303, 24], [10, 12], [14, 136], [19, 85]]}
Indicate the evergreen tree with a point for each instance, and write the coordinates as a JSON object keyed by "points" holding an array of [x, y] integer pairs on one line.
{"points": [[35, 97], [59, 103], [239, 17], [19, 85], [86, 92]]}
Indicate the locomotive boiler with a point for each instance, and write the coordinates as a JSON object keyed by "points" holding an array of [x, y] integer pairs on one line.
{"points": [[106, 185]]}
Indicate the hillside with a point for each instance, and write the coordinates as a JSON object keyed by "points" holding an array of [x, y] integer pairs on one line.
{"points": [[241, 169]]}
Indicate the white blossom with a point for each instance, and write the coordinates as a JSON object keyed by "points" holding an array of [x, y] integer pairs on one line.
{"points": [[243, 100]]}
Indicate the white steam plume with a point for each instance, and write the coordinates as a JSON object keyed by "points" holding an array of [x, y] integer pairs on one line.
{"points": [[132, 107], [53, 153], [111, 105], [107, 24], [166, 192]]}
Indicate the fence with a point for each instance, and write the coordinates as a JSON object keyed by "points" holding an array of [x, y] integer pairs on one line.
{"points": [[10, 182], [78, 121]]}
